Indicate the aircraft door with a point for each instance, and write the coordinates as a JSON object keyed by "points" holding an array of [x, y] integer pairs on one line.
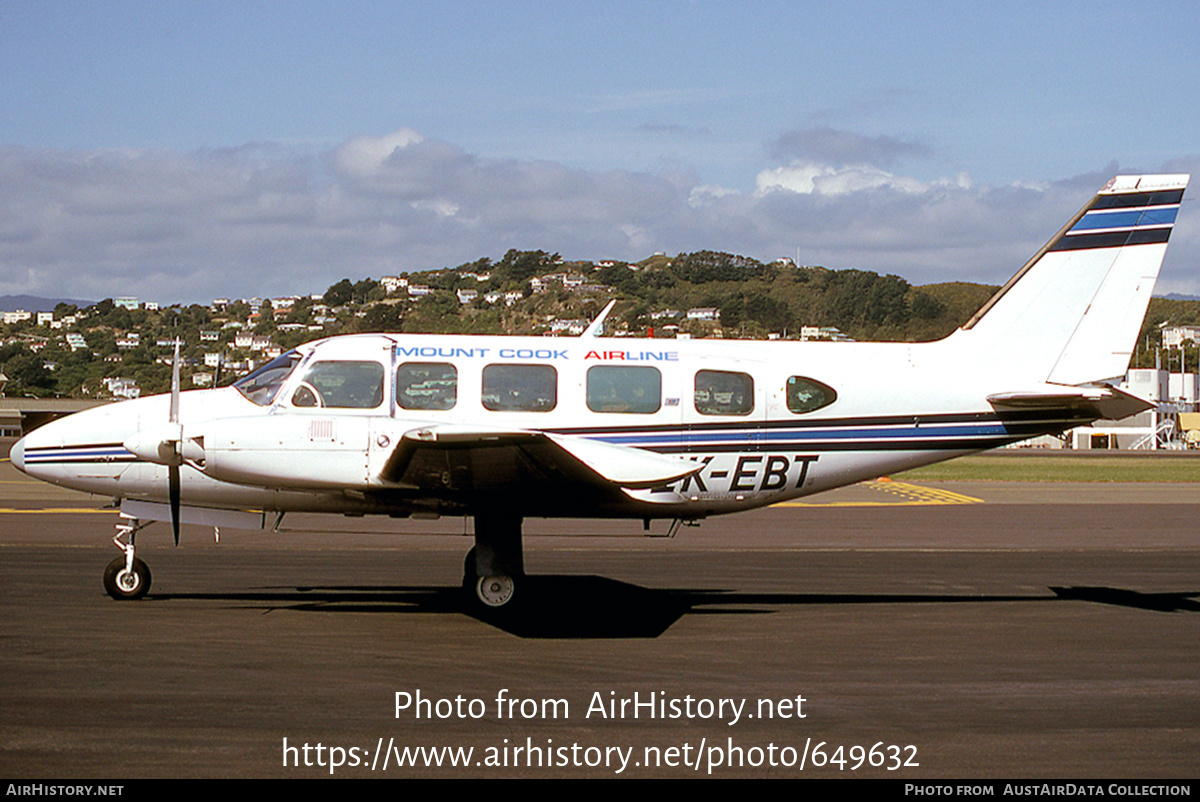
{"points": [[725, 406], [342, 402]]}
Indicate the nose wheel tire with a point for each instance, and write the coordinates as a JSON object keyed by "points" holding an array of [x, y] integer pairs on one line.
{"points": [[125, 584]]}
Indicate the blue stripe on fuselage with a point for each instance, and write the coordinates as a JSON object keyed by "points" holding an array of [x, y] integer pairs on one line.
{"points": [[806, 435], [41, 456]]}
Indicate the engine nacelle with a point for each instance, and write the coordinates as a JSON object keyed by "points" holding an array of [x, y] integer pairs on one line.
{"points": [[288, 451]]}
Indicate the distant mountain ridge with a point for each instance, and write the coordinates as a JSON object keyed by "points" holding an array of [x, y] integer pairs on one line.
{"points": [[32, 303], [1177, 297]]}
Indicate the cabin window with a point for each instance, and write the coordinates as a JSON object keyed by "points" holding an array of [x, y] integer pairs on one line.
{"points": [[426, 385], [724, 392], [520, 388], [262, 385], [617, 388], [808, 395], [347, 385]]}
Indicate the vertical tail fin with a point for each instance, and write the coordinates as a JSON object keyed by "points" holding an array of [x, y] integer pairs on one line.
{"points": [[1072, 314]]}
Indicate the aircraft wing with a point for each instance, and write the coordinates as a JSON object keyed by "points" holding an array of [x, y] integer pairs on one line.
{"points": [[458, 459], [1106, 403]]}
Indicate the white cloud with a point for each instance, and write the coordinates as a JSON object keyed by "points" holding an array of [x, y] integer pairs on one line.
{"points": [[267, 220], [440, 205], [808, 178], [706, 193], [364, 156]]}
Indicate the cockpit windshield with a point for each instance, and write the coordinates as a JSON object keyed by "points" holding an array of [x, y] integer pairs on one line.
{"points": [[262, 385]]}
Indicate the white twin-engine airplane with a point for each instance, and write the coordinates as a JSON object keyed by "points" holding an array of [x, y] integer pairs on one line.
{"points": [[505, 428]]}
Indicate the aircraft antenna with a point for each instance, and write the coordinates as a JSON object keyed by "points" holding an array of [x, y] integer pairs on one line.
{"points": [[597, 326]]}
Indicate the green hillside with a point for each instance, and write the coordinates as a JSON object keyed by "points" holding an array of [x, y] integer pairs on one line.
{"points": [[524, 292]]}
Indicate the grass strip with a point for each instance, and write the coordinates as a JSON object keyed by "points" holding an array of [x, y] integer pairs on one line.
{"points": [[1040, 468]]}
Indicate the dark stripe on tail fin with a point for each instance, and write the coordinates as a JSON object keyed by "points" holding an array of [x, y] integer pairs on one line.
{"points": [[1139, 199], [1112, 239]]}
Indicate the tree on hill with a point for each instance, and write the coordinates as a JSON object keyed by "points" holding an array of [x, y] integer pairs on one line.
{"points": [[705, 266], [857, 297], [382, 318], [520, 266], [27, 374], [339, 294], [367, 290]]}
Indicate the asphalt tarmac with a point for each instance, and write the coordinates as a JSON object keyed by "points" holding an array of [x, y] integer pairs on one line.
{"points": [[955, 630]]}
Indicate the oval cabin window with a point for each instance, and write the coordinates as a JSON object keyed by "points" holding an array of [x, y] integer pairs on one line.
{"points": [[808, 395]]}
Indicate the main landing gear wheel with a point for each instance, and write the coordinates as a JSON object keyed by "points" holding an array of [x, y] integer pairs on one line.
{"points": [[125, 584], [495, 591], [495, 566]]}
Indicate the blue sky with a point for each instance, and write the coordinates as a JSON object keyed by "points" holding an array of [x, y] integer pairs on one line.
{"points": [[186, 150]]}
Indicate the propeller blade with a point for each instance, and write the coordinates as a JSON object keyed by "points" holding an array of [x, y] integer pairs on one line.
{"points": [[173, 489], [173, 482], [174, 414]]}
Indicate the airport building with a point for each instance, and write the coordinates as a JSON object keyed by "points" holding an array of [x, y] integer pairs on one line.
{"points": [[1174, 422]]}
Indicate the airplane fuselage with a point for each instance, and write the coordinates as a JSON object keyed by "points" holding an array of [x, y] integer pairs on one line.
{"points": [[767, 421]]}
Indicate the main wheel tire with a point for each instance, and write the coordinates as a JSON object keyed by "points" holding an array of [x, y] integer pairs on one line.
{"points": [[125, 585], [495, 591]]}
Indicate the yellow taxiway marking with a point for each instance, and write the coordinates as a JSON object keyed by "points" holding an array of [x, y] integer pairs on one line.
{"points": [[912, 495], [50, 511]]}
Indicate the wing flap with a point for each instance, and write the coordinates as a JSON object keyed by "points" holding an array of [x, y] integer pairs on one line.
{"points": [[626, 467]]}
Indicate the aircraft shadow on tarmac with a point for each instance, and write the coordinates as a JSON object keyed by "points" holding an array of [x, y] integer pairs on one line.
{"points": [[598, 607], [1159, 602]]}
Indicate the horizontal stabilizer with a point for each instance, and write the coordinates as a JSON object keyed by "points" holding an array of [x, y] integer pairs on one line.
{"points": [[1107, 403], [492, 458]]}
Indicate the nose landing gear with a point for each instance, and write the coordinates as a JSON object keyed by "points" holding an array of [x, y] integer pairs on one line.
{"points": [[127, 577]]}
